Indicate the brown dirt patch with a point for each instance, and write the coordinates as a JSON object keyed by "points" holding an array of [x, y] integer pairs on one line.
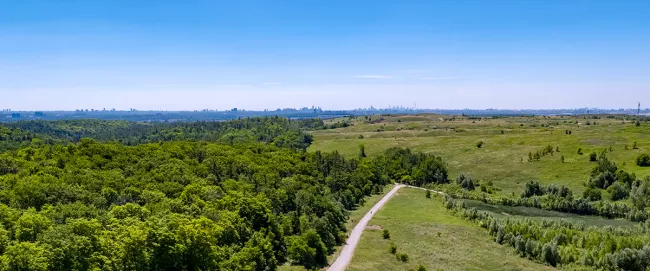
{"points": [[374, 227]]}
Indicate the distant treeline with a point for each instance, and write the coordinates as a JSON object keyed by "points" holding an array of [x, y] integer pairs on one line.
{"points": [[280, 131]]}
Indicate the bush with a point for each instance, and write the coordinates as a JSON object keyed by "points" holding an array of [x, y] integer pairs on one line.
{"points": [[550, 254], [428, 195], [422, 268], [479, 144], [465, 182], [643, 160], [362, 151], [592, 194], [402, 257], [580, 151], [386, 235], [593, 157], [617, 191], [393, 248]]}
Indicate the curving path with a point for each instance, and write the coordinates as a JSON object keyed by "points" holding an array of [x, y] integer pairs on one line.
{"points": [[351, 243]]}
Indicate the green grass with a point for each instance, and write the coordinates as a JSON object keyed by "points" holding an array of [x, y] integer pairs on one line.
{"points": [[414, 223], [539, 214], [503, 157]]}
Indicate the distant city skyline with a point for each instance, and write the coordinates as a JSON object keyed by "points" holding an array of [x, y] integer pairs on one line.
{"points": [[256, 55], [371, 108]]}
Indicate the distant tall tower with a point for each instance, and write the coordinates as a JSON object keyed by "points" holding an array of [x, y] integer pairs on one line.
{"points": [[638, 110]]}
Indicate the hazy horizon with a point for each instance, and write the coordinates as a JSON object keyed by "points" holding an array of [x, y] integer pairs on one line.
{"points": [[256, 55], [324, 109]]}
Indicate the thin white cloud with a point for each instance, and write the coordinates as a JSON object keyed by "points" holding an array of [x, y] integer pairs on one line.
{"points": [[271, 83], [415, 71], [235, 86], [374, 76], [438, 78]]}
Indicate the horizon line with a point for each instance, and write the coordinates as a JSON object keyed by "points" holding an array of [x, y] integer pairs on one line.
{"points": [[319, 108]]}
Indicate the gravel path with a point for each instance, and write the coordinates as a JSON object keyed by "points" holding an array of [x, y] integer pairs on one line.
{"points": [[351, 244]]}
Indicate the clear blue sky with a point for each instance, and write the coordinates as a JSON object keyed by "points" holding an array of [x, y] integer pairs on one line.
{"points": [[69, 54]]}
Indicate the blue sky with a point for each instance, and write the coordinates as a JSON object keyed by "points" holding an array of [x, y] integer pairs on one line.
{"points": [[173, 55]]}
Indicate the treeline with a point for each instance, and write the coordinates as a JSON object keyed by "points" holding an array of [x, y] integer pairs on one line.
{"points": [[561, 199], [413, 168], [565, 244], [184, 205], [277, 130]]}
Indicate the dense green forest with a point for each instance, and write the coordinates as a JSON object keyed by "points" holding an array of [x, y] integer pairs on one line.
{"points": [[184, 205], [279, 131]]}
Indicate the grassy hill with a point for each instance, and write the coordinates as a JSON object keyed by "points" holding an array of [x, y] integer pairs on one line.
{"points": [[507, 141]]}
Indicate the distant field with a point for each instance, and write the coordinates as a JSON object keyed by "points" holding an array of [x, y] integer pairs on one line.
{"points": [[539, 214], [414, 223], [507, 142]]}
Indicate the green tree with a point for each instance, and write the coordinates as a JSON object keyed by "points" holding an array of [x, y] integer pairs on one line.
{"points": [[31, 225], [25, 256], [617, 191], [592, 194], [643, 160], [550, 254], [307, 250]]}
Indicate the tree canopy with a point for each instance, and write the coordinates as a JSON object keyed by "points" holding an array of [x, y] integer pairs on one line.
{"points": [[183, 203]]}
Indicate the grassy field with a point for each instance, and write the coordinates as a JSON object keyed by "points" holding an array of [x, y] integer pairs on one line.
{"points": [[432, 237], [503, 158]]}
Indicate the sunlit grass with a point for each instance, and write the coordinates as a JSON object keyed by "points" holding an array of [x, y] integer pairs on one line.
{"points": [[431, 236], [503, 157]]}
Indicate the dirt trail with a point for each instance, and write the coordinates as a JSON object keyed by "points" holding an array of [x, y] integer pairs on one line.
{"points": [[351, 244]]}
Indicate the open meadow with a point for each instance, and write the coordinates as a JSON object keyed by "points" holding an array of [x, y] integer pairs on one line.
{"points": [[432, 237], [507, 142]]}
